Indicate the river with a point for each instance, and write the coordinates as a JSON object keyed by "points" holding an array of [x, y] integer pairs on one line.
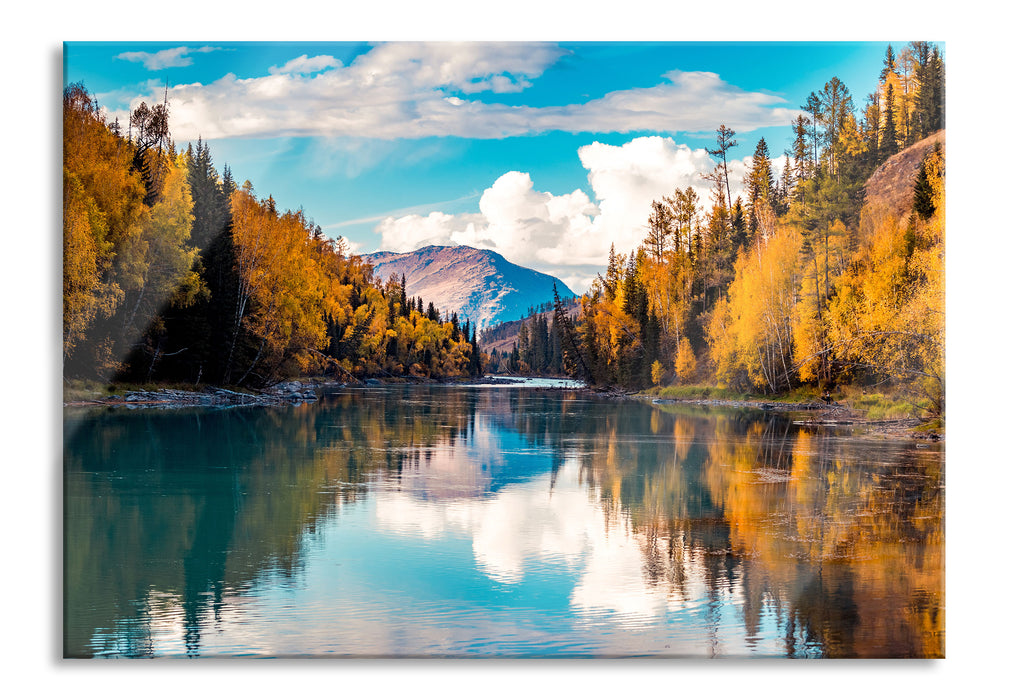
{"points": [[516, 521]]}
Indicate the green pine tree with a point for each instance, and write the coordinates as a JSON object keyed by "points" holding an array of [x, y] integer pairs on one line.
{"points": [[888, 139], [759, 183]]}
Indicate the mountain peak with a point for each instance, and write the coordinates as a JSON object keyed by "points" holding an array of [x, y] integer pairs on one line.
{"points": [[478, 284]]}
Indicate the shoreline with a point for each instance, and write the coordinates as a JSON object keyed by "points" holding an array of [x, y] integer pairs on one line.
{"points": [[293, 392], [297, 392], [823, 414]]}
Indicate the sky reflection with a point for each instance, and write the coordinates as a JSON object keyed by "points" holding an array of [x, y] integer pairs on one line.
{"points": [[488, 523]]}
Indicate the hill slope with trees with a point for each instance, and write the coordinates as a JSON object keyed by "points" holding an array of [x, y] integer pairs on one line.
{"points": [[831, 273]]}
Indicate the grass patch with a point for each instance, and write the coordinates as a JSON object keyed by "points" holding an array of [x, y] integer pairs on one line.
{"points": [[802, 394], [699, 391], [877, 406], [881, 407], [83, 390], [681, 391]]}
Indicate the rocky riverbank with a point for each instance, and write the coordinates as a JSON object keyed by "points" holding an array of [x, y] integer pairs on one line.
{"points": [[286, 393]]}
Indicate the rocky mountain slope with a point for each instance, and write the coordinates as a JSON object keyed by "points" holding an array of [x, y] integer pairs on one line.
{"points": [[891, 187], [479, 285]]}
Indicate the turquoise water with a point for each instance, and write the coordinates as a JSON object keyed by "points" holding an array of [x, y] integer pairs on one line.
{"points": [[495, 521]]}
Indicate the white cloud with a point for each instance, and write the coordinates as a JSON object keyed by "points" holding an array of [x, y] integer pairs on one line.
{"points": [[467, 67], [402, 90], [568, 235], [554, 519], [528, 227], [304, 64], [167, 58], [414, 231], [626, 179], [690, 101]]}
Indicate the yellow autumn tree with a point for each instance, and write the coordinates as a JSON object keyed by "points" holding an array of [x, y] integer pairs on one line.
{"points": [[159, 260], [888, 315], [809, 332], [103, 209], [281, 289], [722, 346], [752, 329], [608, 323], [667, 284], [686, 362], [814, 355], [86, 256], [658, 372]]}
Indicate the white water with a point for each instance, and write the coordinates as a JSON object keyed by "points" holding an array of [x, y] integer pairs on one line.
{"points": [[530, 383]]}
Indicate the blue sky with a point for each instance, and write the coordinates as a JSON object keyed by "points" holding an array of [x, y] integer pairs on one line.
{"points": [[545, 152]]}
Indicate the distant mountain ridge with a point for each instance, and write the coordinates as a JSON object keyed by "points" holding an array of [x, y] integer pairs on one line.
{"points": [[479, 285]]}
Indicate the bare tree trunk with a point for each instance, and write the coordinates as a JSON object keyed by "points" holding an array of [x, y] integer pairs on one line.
{"points": [[239, 314], [254, 361]]}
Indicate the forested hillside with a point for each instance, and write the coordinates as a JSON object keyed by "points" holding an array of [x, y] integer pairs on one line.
{"points": [[173, 272], [798, 279], [530, 345]]}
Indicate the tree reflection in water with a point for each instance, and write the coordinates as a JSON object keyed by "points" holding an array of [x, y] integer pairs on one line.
{"points": [[834, 542]]}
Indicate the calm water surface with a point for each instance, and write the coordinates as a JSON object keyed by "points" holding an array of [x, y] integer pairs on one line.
{"points": [[449, 521]]}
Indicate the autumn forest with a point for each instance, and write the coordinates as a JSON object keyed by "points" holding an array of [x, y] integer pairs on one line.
{"points": [[173, 272], [808, 279], [812, 276]]}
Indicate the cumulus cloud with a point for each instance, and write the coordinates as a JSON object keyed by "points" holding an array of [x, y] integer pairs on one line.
{"points": [[167, 58], [529, 227], [415, 231], [415, 90], [627, 178], [568, 235]]}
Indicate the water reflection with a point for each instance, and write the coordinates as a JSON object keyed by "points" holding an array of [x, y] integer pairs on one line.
{"points": [[448, 521]]}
